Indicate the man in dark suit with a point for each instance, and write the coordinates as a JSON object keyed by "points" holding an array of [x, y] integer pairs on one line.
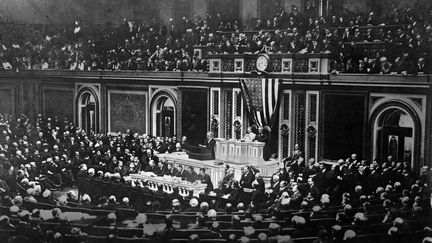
{"points": [[161, 147], [296, 153], [121, 169], [227, 180], [313, 189], [275, 186], [209, 144], [293, 47], [263, 137], [152, 167], [184, 143], [258, 195], [247, 178], [82, 175], [22, 228], [171, 170], [191, 175], [181, 172], [205, 179], [422, 66]]}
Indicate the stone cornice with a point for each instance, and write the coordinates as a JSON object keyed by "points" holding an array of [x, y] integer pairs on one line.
{"points": [[221, 79]]}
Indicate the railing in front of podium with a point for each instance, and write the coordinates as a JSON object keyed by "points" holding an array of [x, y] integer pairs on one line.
{"points": [[239, 152], [169, 183]]}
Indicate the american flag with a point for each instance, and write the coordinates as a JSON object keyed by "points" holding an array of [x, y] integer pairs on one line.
{"points": [[261, 97]]}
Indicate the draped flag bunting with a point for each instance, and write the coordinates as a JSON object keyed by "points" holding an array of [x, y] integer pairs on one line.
{"points": [[261, 97]]}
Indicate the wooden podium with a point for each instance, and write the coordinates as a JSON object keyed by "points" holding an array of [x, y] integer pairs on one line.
{"points": [[199, 153], [238, 152]]}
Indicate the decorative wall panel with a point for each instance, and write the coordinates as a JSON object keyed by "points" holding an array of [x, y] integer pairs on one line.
{"points": [[228, 65], [228, 118], [238, 117], [215, 111], [28, 100], [311, 142], [299, 122], [7, 101], [301, 66], [284, 124], [58, 103], [127, 110], [250, 64], [179, 113], [276, 65]]}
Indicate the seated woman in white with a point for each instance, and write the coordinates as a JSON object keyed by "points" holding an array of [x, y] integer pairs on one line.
{"points": [[250, 136]]}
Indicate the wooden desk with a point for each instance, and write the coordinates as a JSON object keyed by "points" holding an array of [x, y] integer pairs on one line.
{"points": [[212, 167], [199, 153], [169, 182], [215, 168]]}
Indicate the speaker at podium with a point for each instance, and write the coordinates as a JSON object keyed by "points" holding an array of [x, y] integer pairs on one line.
{"points": [[204, 151]]}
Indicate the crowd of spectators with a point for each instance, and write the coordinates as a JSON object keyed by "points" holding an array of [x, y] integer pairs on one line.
{"points": [[335, 202], [360, 43], [399, 42]]}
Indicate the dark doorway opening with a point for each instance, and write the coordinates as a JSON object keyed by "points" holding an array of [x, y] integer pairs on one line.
{"points": [[165, 117], [343, 125], [194, 115], [88, 112]]}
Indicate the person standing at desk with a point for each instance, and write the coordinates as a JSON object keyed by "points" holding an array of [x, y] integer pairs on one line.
{"points": [[205, 179], [209, 144], [263, 137]]}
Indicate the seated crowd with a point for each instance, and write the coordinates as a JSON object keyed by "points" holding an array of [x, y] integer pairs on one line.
{"points": [[360, 43], [352, 200]]}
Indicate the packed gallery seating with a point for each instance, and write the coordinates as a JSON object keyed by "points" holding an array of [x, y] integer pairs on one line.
{"points": [[399, 43], [61, 184]]}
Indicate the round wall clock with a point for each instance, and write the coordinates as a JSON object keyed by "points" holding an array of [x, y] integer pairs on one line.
{"points": [[262, 62]]}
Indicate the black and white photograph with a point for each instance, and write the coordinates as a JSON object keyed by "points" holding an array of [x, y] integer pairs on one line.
{"points": [[215, 121]]}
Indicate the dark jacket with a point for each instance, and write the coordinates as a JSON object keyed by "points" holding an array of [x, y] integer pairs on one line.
{"points": [[205, 179], [246, 180], [210, 145]]}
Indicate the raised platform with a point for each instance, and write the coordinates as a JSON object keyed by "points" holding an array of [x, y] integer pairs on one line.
{"points": [[215, 168]]}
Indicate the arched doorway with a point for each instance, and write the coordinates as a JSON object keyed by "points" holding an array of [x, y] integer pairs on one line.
{"points": [[396, 133], [88, 111], [163, 116]]}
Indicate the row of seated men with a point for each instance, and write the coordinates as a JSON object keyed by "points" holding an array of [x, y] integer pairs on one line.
{"points": [[329, 222], [325, 212], [59, 148], [135, 46], [398, 195]]}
